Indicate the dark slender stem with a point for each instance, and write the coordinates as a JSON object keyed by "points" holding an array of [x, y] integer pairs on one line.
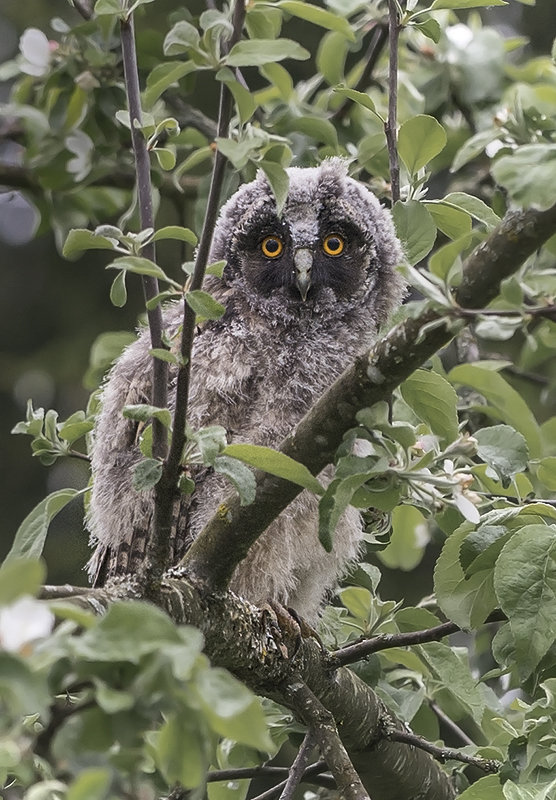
{"points": [[390, 127], [548, 311], [449, 723], [379, 39], [355, 652], [158, 547], [324, 729], [297, 769], [442, 753], [84, 7], [146, 218]]}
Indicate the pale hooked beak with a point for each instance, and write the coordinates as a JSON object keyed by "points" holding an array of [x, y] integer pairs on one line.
{"points": [[303, 261]]}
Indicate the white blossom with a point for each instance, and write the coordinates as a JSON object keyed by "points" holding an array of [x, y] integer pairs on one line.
{"points": [[23, 622]]}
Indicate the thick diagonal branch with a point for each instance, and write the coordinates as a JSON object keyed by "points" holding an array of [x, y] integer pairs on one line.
{"points": [[227, 537]]}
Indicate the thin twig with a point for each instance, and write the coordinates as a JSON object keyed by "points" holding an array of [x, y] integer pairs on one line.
{"points": [[442, 753], [156, 560], [84, 7], [146, 220], [374, 50], [449, 723], [390, 127], [548, 311], [323, 725], [297, 769], [355, 652]]}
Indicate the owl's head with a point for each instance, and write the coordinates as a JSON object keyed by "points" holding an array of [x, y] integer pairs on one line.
{"points": [[333, 247]]}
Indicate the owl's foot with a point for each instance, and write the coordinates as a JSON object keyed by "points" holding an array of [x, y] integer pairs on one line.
{"points": [[290, 628]]}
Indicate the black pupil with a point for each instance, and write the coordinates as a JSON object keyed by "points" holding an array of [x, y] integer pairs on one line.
{"points": [[334, 243], [272, 245]]}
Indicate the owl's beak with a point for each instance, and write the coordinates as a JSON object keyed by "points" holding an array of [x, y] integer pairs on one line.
{"points": [[303, 261]]}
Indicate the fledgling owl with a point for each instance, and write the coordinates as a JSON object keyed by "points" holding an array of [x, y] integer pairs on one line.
{"points": [[305, 292]]}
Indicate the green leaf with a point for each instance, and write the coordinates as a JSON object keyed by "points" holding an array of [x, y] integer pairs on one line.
{"points": [[20, 576], [275, 463], [361, 98], [321, 130], [456, 4], [475, 207], [31, 534], [165, 157], [179, 752], [415, 228], [525, 584], [81, 239], [487, 788], [255, 53], [311, 13], [409, 538], [108, 7], [244, 99], [131, 629], [528, 174], [420, 139], [177, 232], [91, 784], [279, 182], [204, 304], [467, 601], [118, 290], [429, 27], [182, 37], [455, 675], [337, 498], [162, 77], [231, 709], [546, 472], [144, 413], [239, 475], [141, 266], [473, 147], [164, 355], [503, 449], [507, 403], [279, 77], [434, 401], [452, 221], [146, 474], [331, 57]]}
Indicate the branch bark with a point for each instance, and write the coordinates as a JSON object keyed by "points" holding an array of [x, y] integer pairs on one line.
{"points": [[227, 537], [389, 770]]}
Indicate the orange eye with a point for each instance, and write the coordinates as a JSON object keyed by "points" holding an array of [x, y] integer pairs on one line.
{"points": [[333, 244], [272, 246]]}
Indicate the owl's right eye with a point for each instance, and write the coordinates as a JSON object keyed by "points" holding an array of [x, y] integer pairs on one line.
{"points": [[272, 246]]}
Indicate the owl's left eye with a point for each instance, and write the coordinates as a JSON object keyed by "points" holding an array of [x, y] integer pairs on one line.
{"points": [[333, 244], [272, 246]]}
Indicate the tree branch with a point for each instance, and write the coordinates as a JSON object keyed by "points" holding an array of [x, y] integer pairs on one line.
{"points": [[146, 218], [391, 125], [355, 652], [388, 769], [443, 753], [297, 769], [156, 559], [229, 534], [321, 723]]}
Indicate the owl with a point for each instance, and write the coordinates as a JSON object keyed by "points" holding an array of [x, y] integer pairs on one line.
{"points": [[305, 292]]}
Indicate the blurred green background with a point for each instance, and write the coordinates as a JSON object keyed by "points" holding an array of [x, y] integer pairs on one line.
{"points": [[51, 310]]}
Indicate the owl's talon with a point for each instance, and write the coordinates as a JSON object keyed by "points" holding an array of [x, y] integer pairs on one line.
{"points": [[290, 627]]}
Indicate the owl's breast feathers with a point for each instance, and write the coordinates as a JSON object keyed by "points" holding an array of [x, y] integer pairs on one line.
{"points": [[304, 293]]}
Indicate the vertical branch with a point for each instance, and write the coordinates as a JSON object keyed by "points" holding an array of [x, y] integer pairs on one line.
{"points": [[165, 491], [391, 124], [323, 726], [146, 218], [297, 769]]}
